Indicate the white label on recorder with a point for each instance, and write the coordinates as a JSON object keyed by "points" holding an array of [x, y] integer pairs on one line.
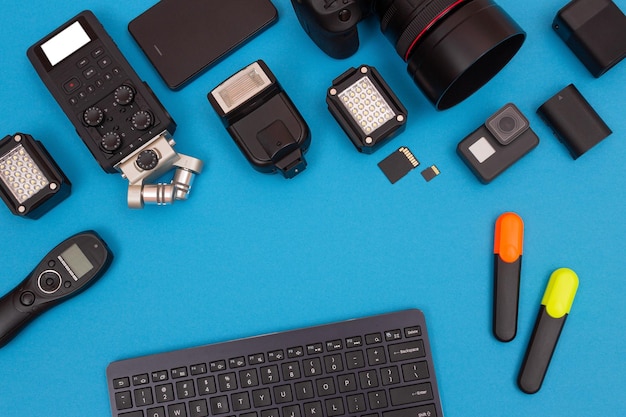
{"points": [[70, 40]]}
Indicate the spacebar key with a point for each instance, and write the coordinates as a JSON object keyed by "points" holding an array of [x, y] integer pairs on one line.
{"points": [[421, 411]]}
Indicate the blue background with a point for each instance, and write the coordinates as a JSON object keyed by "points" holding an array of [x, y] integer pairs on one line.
{"points": [[252, 253]]}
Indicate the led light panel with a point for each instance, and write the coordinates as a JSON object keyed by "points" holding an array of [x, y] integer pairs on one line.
{"points": [[365, 108], [21, 175], [31, 183], [366, 105]]}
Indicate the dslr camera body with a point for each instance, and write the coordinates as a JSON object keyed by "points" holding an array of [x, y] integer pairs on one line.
{"points": [[452, 47]]}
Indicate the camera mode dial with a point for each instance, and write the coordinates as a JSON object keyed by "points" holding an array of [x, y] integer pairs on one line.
{"points": [[111, 141], [124, 95], [93, 116], [142, 120], [147, 160]]}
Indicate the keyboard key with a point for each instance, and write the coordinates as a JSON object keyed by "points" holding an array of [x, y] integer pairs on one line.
{"points": [[353, 342], [180, 372], [424, 410], [272, 412], [240, 401], [227, 382], [356, 403], [164, 393], [411, 394], [185, 389], [197, 408], [269, 374], [390, 375], [373, 338], [159, 376], [141, 379], [347, 383], [314, 348], [291, 411], [177, 410], [392, 335], [256, 359], [248, 378], [198, 369], [415, 371], [206, 385], [295, 352], [304, 390], [313, 409], [414, 331], [219, 405], [282, 394], [261, 398], [376, 356], [334, 345], [325, 386], [275, 355], [237, 362], [312, 367], [355, 360], [217, 366], [407, 350], [377, 399], [334, 407], [121, 383], [156, 412], [132, 414], [143, 396], [291, 370], [333, 363], [122, 400], [368, 379]]}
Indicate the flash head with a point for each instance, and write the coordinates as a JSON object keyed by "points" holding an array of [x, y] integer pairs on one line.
{"points": [[366, 108], [31, 183], [262, 120]]}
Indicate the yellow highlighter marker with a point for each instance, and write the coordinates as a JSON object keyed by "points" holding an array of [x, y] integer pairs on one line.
{"points": [[555, 306]]}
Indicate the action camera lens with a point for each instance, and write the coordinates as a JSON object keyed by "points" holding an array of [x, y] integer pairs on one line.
{"points": [[452, 47], [507, 124]]}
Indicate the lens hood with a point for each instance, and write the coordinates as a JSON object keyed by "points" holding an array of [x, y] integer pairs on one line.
{"points": [[463, 51]]}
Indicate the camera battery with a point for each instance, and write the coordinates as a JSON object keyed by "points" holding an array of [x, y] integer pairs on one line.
{"points": [[574, 122], [595, 30]]}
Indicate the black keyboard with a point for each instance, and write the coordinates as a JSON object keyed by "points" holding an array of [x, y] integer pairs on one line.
{"points": [[378, 366]]}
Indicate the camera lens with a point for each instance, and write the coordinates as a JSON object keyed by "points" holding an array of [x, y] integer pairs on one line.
{"points": [[452, 47], [507, 124]]}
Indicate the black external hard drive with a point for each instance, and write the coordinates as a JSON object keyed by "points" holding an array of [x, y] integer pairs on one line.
{"points": [[183, 38]]}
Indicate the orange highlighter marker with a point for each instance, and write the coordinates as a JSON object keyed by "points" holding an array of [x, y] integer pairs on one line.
{"points": [[508, 241]]}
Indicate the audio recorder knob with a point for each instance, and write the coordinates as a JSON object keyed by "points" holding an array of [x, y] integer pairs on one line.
{"points": [[147, 160], [111, 142], [142, 120], [124, 95], [93, 116]]}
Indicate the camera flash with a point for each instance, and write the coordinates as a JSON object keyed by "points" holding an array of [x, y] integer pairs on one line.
{"points": [[366, 108], [262, 120], [240, 87], [31, 183]]}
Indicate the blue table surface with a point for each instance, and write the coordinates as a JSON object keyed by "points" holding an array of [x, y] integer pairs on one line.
{"points": [[249, 253]]}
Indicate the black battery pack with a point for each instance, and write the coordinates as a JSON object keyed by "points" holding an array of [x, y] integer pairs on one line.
{"points": [[574, 122], [595, 30]]}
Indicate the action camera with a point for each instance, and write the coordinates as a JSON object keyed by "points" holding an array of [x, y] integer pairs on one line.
{"points": [[452, 47]]}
